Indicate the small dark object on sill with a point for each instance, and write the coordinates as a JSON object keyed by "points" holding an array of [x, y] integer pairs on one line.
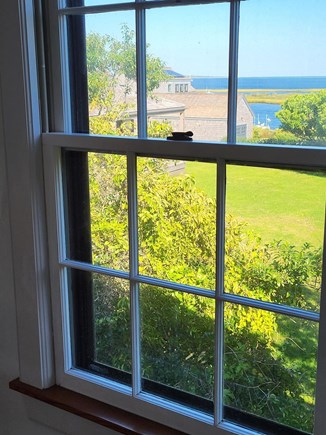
{"points": [[181, 135]]}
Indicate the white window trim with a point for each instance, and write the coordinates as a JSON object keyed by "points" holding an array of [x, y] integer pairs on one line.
{"points": [[24, 159], [27, 206]]}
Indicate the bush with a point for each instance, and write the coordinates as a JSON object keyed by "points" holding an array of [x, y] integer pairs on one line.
{"points": [[177, 243]]}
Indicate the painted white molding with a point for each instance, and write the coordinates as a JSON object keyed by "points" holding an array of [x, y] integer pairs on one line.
{"points": [[25, 176]]}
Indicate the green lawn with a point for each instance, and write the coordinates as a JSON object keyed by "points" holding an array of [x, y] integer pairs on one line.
{"points": [[277, 204]]}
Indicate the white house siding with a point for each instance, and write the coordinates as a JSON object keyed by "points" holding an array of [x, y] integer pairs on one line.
{"points": [[206, 115], [206, 129], [245, 117], [169, 87]]}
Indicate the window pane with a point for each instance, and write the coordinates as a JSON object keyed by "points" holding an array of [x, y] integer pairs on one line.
{"points": [[112, 322], [282, 71], [111, 71], [176, 223], [109, 210], [100, 218], [274, 234], [100, 324], [194, 49], [270, 366], [177, 342]]}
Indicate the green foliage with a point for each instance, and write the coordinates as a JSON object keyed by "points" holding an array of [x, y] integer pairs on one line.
{"points": [[276, 272], [109, 59], [109, 209], [177, 243], [277, 136], [112, 322], [178, 346], [111, 70], [159, 129], [172, 242], [122, 60], [305, 116]]}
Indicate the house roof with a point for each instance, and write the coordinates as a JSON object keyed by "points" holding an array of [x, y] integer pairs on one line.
{"points": [[158, 105], [172, 73], [202, 105]]}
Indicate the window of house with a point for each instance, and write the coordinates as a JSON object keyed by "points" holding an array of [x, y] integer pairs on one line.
{"points": [[198, 294]]}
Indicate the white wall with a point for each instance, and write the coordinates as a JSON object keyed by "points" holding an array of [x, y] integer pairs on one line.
{"points": [[19, 415], [14, 417]]}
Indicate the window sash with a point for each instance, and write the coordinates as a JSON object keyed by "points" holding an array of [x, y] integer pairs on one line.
{"points": [[137, 5], [260, 155], [256, 154], [218, 153], [61, 53]]}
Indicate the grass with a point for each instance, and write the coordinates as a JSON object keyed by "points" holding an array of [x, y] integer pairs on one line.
{"points": [[268, 98], [273, 96], [276, 204]]}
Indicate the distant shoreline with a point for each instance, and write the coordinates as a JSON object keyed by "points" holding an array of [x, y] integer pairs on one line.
{"points": [[270, 96]]}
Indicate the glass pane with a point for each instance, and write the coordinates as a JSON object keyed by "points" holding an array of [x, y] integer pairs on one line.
{"points": [[269, 367], [274, 234], [98, 221], [109, 210], [191, 94], [176, 220], [282, 72], [177, 342], [100, 324], [111, 72]]}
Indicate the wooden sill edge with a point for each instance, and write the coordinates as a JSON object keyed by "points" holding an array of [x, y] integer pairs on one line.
{"points": [[98, 412]]}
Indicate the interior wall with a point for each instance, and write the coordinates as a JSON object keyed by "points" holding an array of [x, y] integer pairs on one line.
{"points": [[14, 419], [19, 415]]}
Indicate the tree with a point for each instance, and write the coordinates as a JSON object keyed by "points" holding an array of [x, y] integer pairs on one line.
{"points": [[111, 67], [305, 116]]}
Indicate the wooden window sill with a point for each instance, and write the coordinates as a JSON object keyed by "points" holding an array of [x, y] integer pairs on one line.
{"points": [[98, 412]]}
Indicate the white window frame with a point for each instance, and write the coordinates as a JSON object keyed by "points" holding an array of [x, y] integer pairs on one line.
{"points": [[34, 319]]}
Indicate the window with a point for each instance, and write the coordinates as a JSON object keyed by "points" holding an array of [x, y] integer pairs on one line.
{"points": [[197, 293]]}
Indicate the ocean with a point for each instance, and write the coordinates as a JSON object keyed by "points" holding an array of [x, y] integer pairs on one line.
{"points": [[265, 114], [274, 83]]}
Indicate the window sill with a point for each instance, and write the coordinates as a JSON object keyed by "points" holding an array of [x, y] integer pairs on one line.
{"points": [[98, 412]]}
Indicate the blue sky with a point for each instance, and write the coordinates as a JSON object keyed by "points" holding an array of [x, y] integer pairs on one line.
{"points": [[277, 37]]}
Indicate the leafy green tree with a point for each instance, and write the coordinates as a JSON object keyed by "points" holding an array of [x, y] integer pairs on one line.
{"points": [[305, 116], [111, 67]]}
